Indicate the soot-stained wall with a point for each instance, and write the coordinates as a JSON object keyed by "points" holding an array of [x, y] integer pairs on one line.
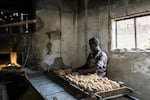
{"points": [[94, 20], [55, 40], [64, 28]]}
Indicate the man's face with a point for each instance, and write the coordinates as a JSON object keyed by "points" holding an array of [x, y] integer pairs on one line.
{"points": [[93, 47]]}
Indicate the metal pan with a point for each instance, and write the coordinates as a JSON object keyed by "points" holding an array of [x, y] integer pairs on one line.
{"points": [[116, 93]]}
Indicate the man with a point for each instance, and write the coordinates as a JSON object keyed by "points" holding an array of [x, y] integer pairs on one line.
{"points": [[97, 60]]}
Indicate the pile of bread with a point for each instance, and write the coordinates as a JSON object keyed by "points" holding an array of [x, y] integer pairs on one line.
{"points": [[92, 82], [64, 71]]}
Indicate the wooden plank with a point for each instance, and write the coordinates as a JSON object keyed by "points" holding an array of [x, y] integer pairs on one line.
{"points": [[114, 97], [133, 15], [40, 79], [115, 92], [19, 23], [42, 83], [38, 90], [51, 89], [48, 89], [60, 96], [36, 76], [66, 85]]}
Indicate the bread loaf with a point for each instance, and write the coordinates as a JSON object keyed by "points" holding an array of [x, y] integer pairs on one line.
{"points": [[93, 83]]}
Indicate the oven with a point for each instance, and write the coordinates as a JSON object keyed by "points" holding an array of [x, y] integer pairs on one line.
{"points": [[11, 60]]}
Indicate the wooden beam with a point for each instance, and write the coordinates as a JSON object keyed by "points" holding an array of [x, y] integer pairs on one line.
{"points": [[132, 15], [19, 23]]}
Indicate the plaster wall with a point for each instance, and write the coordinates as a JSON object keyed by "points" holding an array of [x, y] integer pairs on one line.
{"points": [[131, 68], [65, 27], [55, 40]]}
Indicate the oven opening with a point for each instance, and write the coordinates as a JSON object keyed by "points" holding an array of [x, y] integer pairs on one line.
{"points": [[11, 59]]}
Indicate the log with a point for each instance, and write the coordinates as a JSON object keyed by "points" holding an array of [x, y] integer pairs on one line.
{"points": [[19, 23]]}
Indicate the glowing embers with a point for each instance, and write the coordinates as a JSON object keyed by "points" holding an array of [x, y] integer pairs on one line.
{"points": [[12, 59]]}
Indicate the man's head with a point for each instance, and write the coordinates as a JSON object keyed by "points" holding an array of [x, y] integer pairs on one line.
{"points": [[94, 44]]}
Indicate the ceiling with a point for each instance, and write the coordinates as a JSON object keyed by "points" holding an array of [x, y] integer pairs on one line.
{"points": [[17, 5]]}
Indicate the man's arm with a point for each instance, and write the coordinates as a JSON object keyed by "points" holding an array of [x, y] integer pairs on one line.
{"points": [[88, 70], [92, 70], [100, 66], [85, 66]]}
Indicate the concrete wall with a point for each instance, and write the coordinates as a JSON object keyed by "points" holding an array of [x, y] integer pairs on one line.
{"points": [[55, 41], [63, 30], [94, 20], [132, 68]]}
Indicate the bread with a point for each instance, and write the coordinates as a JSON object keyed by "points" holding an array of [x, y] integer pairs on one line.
{"points": [[64, 71], [93, 83]]}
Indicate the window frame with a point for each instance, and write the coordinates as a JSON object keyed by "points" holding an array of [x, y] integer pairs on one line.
{"points": [[114, 21]]}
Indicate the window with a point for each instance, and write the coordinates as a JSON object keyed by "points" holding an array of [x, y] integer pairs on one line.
{"points": [[131, 33]]}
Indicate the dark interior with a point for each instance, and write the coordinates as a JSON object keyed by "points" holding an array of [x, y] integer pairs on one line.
{"points": [[11, 12], [54, 34], [15, 11]]}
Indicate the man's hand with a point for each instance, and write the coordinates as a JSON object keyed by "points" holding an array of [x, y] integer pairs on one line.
{"points": [[101, 69]]}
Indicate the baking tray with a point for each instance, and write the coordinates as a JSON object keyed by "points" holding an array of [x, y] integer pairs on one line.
{"points": [[73, 89], [123, 91], [69, 82]]}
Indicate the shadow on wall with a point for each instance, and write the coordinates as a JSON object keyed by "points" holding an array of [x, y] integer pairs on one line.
{"points": [[52, 35], [40, 24], [58, 63], [52, 60]]}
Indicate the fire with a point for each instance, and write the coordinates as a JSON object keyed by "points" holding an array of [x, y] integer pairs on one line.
{"points": [[2, 66], [13, 59]]}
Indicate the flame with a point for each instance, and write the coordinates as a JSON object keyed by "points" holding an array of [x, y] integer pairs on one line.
{"points": [[2, 66], [13, 59]]}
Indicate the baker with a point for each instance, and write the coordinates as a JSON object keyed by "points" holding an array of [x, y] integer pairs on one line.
{"points": [[96, 61]]}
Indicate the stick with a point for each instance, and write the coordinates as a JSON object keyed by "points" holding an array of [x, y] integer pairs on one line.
{"points": [[19, 23]]}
